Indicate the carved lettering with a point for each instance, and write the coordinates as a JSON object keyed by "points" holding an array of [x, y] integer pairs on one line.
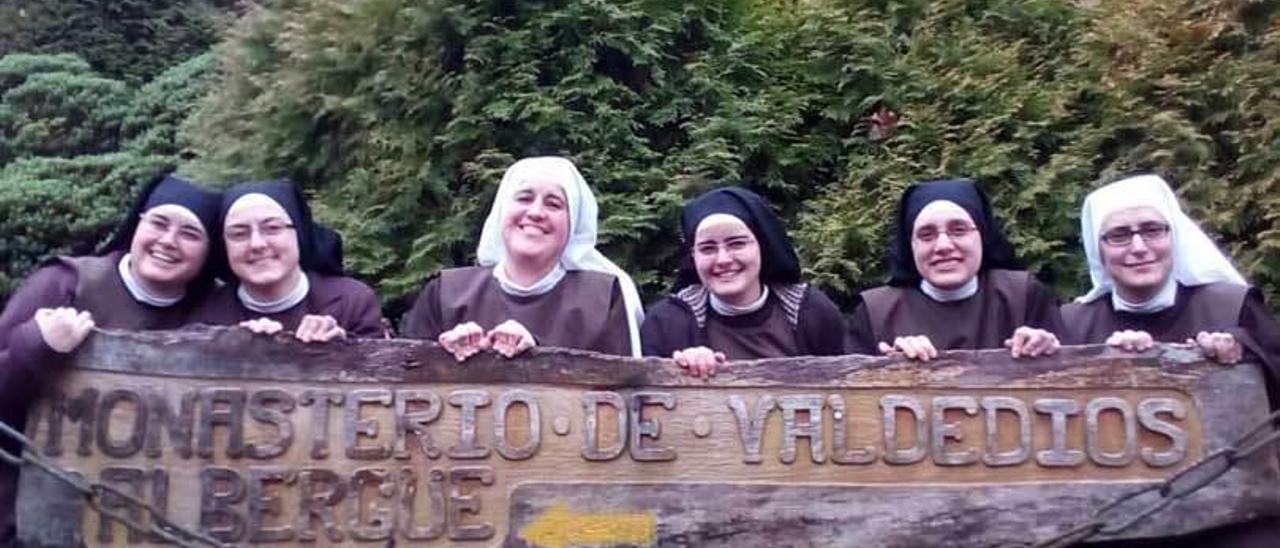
{"points": [[357, 427], [221, 489], [468, 401], [591, 402], [264, 503], [534, 430], [369, 520], [811, 428], [78, 409], [133, 482], [221, 407], [1058, 455], [321, 400], [889, 405], [1148, 415], [160, 416], [321, 490], [106, 409], [1019, 454], [271, 407], [751, 425], [461, 503], [435, 525], [1093, 436], [841, 453], [942, 431], [414, 422], [642, 428]]}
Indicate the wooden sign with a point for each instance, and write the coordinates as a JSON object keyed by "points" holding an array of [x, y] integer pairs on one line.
{"points": [[266, 440]]}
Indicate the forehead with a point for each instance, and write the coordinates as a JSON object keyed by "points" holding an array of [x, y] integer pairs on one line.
{"points": [[177, 214], [720, 226], [255, 207], [941, 212], [541, 186], [1132, 216]]}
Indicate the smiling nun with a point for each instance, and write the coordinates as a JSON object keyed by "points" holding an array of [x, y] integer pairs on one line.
{"points": [[147, 277], [955, 283], [740, 294], [1158, 277], [540, 280], [286, 271]]}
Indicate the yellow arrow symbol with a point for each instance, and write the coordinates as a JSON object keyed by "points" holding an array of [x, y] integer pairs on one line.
{"points": [[561, 527]]}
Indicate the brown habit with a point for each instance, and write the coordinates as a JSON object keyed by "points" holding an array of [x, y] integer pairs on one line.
{"points": [[1006, 300], [585, 310]]}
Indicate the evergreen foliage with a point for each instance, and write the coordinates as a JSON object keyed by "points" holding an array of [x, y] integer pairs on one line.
{"points": [[400, 117], [74, 147], [128, 40]]}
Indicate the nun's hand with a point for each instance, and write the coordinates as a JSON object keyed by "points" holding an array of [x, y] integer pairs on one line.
{"points": [[1219, 347], [915, 347], [63, 329], [1131, 340], [1030, 342], [511, 338], [263, 326], [319, 328], [464, 340], [699, 361]]}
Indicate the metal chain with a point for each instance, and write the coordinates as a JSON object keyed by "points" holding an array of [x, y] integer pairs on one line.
{"points": [[1110, 519], [94, 493]]}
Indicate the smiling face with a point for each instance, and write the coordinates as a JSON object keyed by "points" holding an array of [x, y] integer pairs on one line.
{"points": [[727, 257], [262, 246], [168, 248], [535, 223], [946, 245], [1141, 266]]}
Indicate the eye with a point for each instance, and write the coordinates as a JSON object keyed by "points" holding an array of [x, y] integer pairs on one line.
{"points": [[926, 235], [707, 249]]}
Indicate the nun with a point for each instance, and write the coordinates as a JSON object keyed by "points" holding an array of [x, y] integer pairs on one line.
{"points": [[540, 280], [740, 294], [1157, 277], [955, 283], [148, 276], [286, 271]]}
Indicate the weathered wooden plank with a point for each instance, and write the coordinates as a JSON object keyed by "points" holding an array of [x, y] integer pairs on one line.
{"points": [[271, 441]]}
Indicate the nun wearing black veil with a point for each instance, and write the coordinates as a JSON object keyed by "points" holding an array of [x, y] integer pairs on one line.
{"points": [[286, 270], [740, 294], [149, 276], [955, 283]]}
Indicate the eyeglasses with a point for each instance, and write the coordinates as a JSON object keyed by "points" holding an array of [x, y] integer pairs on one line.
{"points": [[955, 231], [242, 233], [159, 224], [1123, 235]]}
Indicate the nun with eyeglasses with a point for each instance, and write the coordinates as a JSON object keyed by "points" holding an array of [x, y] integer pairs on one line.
{"points": [[1157, 277], [955, 283], [285, 271]]}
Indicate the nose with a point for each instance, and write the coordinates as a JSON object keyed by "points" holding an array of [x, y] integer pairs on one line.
{"points": [[256, 240], [943, 243], [536, 210], [1138, 245], [723, 256], [168, 237]]}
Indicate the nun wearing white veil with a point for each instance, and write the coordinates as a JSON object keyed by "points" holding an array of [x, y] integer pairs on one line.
{"points": [[1157, 277], [540, 280]]}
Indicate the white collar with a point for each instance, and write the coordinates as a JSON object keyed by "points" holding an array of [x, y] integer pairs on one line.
{"points": [[290, 300], [969, 289], [725, 309], [1160, 301], [540, 287], [139, 291]]}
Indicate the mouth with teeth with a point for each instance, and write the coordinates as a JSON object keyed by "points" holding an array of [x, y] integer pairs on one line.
{"points": [[163, 258]]}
